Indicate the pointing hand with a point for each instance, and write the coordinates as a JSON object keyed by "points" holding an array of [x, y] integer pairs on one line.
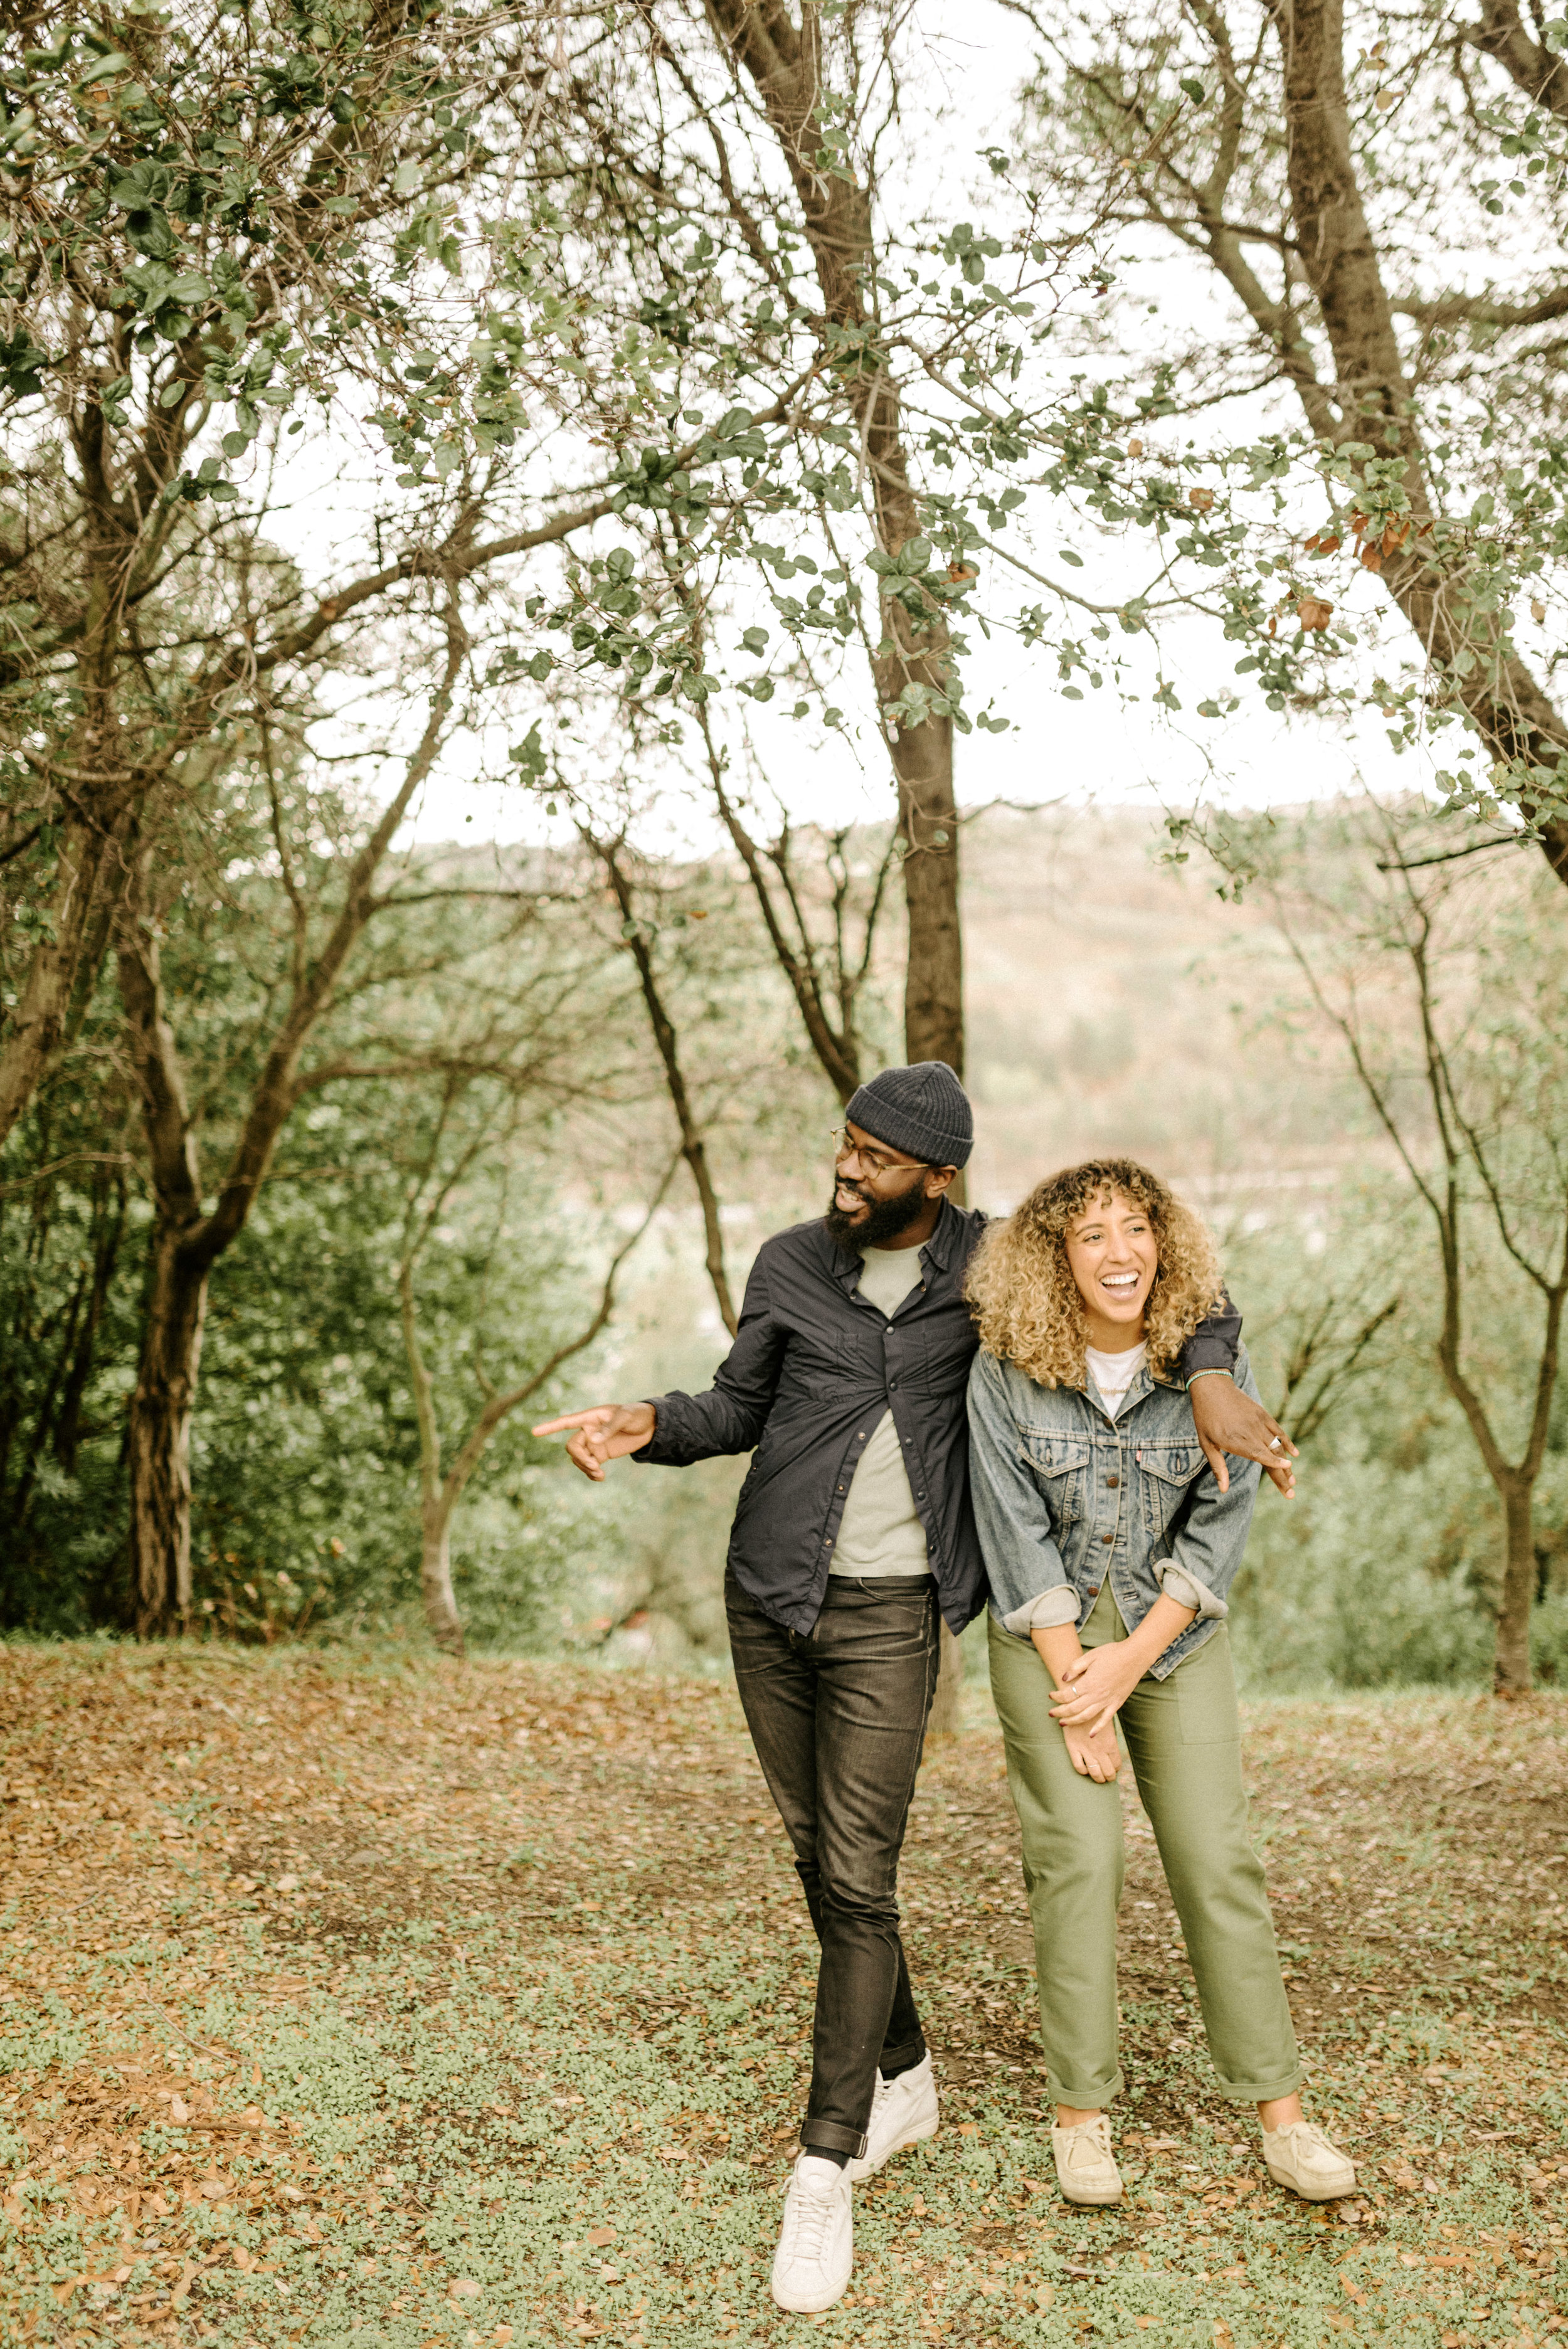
{"points": [[606, 1432]]}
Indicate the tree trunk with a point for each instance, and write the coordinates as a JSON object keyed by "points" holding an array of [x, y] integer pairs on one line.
{"points": [[38, 1026], [933, 975], [446, 1625], [1510, 1667], [159, 1440], [785, 65], [1340, 259]]}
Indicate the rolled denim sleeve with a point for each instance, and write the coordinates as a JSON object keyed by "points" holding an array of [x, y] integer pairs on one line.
{"points": [[1207, 1549], [1028, 1580]]}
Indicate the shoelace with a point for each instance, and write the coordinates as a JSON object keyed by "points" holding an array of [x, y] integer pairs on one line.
{"points": [[1092, 2143], [806, 2219]]}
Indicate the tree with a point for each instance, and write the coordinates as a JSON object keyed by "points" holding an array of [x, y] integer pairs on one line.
{"points": [[727, 176], [224, 217], [1346, 210], [474, 1128], [189, 1236], [322, 1008], [1430, 972], [828, 967], [612, 854]]}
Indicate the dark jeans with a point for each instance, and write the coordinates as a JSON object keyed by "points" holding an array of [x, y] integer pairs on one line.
{"points": [[838, 1717]]}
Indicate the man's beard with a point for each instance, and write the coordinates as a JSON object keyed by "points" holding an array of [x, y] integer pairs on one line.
{"points": [[888, 1217]]}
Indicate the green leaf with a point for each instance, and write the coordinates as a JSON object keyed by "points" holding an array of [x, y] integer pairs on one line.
{"points": [[141, 188], [1194, 89], [115, 63]]}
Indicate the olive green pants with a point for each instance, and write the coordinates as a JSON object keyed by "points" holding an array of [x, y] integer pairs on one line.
{"points": [[1183, 1737]]}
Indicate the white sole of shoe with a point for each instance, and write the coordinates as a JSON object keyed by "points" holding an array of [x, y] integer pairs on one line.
{"points": [[1311, 2193], [1091, 2202], [813, 2306]]}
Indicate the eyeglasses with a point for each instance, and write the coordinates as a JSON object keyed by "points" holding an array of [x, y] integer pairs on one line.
{"points": [[875, 1164]]}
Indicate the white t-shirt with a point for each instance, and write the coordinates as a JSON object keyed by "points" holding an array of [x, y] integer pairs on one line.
{"points": [[1113, 1374], [880, 1531]]}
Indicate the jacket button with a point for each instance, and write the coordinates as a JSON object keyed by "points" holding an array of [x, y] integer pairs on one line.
{"points": [[1113, 1482], [1108, 1537], [892, 1383]]}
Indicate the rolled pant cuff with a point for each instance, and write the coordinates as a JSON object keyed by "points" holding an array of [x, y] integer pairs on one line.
{"points": [[832, 2139], [1262, 2092], [904, 2058], [1084, 2098]]}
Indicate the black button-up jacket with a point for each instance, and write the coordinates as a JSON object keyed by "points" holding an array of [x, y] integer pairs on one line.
{"points": [[814, 1367]]}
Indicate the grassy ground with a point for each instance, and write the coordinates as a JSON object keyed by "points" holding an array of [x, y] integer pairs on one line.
{"points": [[423, 2005]]}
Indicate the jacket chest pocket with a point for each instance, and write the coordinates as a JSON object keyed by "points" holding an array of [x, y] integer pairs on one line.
{"points": [[1062, 1464], [1166, 1475]]}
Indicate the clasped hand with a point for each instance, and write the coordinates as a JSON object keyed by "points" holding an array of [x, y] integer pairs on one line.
{"points": [[1095, 1687]]}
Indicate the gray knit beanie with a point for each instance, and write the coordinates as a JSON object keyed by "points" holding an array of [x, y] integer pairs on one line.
{"points": [[923, 1110]]}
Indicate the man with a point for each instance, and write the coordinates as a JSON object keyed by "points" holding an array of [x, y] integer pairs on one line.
{"points": [[852, 1539]]}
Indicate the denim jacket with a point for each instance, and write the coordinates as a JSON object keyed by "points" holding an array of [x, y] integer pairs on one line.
{"points": [[1064, 1495]]}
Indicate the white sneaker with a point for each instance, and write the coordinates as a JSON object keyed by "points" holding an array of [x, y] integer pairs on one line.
{"points": [[1302, 2159], [903, 2112], [1085, 2166], [817, 2242]]}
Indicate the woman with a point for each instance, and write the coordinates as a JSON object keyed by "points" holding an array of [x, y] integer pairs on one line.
{"points": [[1110, 1548]]}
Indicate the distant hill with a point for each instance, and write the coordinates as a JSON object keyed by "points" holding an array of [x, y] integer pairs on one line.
{"points": [[1112, 1003]]}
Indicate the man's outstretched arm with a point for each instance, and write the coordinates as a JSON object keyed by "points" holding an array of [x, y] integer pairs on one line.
{"points": [[728, 1416]]}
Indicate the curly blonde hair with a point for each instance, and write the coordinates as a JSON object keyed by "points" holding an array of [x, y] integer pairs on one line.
{"points": [[1026, 1303]]}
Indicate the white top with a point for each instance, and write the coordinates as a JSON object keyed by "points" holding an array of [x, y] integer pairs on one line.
{"points": [[1113, 1374], [880, 1532]]}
